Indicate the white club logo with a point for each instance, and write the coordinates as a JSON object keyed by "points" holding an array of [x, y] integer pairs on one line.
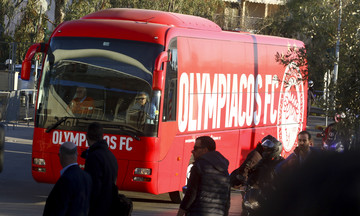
{"points": [[291, 107]]}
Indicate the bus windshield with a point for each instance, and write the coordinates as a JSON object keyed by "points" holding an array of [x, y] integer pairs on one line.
{"points": [[104, 80]]}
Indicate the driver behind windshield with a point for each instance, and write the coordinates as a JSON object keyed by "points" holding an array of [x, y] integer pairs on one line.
{"points": [[142, 102], [140, 110], [81, 104]]}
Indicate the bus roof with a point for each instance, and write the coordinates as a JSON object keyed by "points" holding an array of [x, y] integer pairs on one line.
{"points": [[151, 26], [158, 17], [116, 29]]}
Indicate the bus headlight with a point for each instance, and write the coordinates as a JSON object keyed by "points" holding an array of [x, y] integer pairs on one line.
{"points": [[142, 171], [39, 161], [142, 179], [39, 169]]}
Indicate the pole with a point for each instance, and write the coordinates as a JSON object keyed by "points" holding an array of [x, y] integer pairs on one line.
{"points": [[337, 49]]}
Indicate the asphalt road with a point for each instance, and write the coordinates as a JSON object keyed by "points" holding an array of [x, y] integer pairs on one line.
{"points": [[21, 195]]}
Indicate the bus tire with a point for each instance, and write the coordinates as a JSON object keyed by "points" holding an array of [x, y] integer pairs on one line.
{"points": [[2, 146], [176, 196]]}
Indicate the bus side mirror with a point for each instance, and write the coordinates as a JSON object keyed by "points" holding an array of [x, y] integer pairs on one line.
{"points": [[159, 74], [26, 70], [26, 64]]}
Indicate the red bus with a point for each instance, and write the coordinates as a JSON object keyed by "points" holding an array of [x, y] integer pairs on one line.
{"points": [[198, 80]]}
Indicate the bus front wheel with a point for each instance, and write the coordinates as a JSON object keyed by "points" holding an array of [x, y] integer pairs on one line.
{"points": [[176, 196], [2, 144]]}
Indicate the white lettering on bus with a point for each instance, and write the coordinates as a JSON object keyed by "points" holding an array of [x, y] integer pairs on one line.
{"points": [[192, 122], [257, 113], [201, 83], [125, 141], [210, 102], [225, 93], [221, 98], [111, 141], [183, 103], [59, 137], [243, 84]]}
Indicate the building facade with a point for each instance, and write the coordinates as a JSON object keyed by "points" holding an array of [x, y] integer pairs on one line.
{"points": [[245, 14]]}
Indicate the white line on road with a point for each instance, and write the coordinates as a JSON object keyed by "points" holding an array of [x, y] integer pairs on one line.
{"points": [[18, 152]]}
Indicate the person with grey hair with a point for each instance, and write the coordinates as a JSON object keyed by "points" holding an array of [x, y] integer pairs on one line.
{"points": [[71, 193]]}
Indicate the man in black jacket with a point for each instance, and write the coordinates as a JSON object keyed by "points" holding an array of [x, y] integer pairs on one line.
{"points": [[208, 188], [71, 193], [102, 166]]}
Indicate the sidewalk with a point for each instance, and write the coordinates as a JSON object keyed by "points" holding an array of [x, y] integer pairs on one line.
{"points": [[19, 132]]}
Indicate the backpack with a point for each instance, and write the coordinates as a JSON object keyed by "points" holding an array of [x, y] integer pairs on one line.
{"points": [[121, 205]]}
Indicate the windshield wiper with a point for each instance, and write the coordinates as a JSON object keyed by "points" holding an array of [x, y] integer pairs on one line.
{"points": [[128, 130], [56, 124]]}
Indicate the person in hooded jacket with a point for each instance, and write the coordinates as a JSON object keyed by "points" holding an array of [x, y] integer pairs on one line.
{"points": [[239, 176], [262, 175], [102, 166], [208, 188]]}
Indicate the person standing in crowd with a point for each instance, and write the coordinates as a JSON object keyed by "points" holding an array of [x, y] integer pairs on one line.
{"points": [[304, 150], [208, 188], [263, 174], [71, 193], [327, 184], [102, 166], [239, 176], [311, 96]]}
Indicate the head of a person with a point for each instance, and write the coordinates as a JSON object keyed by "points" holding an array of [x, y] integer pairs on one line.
{"points": [[67, 153], [80, 92], [304, 141], [94, 133], [203, 145], [142, 98], [271, 147]]}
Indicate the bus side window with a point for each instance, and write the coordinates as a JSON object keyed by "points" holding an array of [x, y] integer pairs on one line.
{"points": [[170, 97]]}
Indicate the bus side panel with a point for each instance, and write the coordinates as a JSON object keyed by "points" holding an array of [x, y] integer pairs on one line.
{"points": [[174, 167], [233, 144], [219, 92], [41, 148], [170, 164]]}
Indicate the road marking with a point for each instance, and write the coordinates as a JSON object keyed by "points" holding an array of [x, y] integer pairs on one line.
{"points": [[18, 152]]}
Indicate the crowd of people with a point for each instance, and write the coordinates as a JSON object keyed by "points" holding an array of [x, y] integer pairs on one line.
{"points": [[89, 191], [310, 181]]}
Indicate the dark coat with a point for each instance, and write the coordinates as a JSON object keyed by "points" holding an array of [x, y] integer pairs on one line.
{"points": [[71, 194], [263, 174], [208, 188], [293, 161], [102, 166], [240, 175]]}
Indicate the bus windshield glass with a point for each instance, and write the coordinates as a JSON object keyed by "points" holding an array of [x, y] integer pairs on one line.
{"points": [[103, 80]]}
